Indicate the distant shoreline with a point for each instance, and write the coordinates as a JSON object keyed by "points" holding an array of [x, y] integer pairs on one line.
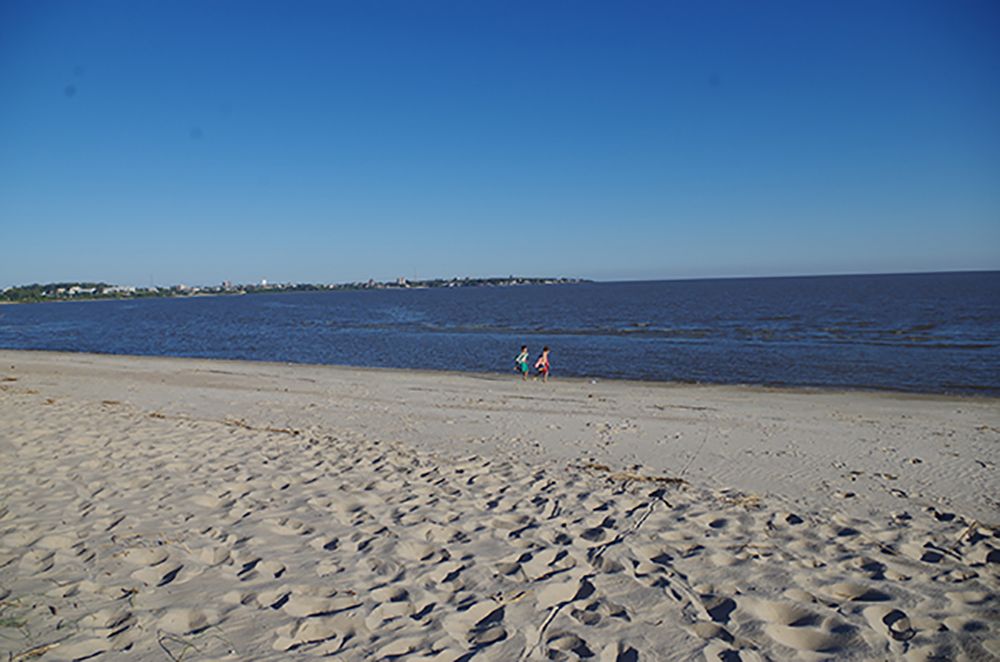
{"points": [[417, 285], [37, 293], [144, 298]]}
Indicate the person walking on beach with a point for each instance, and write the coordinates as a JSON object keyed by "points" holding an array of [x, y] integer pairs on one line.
{"points": [[521, 363], [542, 364]]}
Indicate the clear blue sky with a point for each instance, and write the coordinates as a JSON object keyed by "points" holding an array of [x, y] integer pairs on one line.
{"points": [[329, 141]]}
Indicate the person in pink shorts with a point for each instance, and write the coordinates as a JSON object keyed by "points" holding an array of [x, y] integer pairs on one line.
{"points": [[542, 364]]}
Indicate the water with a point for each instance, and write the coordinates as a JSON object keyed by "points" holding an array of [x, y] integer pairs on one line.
{"points": [[920, 332]]}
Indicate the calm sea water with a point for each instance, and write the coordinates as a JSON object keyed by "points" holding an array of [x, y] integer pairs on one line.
{"points": [[920, 332]]}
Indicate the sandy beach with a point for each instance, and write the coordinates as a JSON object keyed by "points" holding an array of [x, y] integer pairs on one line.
{"points": [[155, 509]]}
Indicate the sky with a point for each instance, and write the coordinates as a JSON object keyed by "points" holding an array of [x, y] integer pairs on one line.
{"points": [[194, 142]]}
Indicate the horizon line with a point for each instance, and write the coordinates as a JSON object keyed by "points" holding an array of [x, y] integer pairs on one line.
{"points": [[799, 275], [561, 277]]}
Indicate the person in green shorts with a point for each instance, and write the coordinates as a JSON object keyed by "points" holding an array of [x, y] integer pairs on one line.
{"points": [[521, 362]]}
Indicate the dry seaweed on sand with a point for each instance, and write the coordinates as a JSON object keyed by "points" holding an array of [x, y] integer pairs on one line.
{"points": [[631, 476]]}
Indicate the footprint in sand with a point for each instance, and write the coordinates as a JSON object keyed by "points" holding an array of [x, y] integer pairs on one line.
{"points": [[301, 606], [710, 630], [547, 562], [57, 542], [37, 561], [77, 648], [188, 621], [160, 574], [557, 593], [386, 612], [330, 632], [147, 556], [410, 550], [108, 622], [798, 627], [892, 623], [567, 645], [475, 621], [852, 592]]}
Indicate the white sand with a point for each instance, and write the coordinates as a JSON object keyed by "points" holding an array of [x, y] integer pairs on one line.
{"points": [[157, 508]]}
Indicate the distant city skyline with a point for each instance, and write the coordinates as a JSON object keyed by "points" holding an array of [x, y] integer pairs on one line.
{"points": [[336, 142], [264, 283]]}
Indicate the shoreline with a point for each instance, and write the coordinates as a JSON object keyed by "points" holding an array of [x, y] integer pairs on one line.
{"points": [[292, 290], [145, 298], [817, 389]]}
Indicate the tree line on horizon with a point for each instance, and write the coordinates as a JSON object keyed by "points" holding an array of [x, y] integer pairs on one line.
{"points": [[67, 291]]}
